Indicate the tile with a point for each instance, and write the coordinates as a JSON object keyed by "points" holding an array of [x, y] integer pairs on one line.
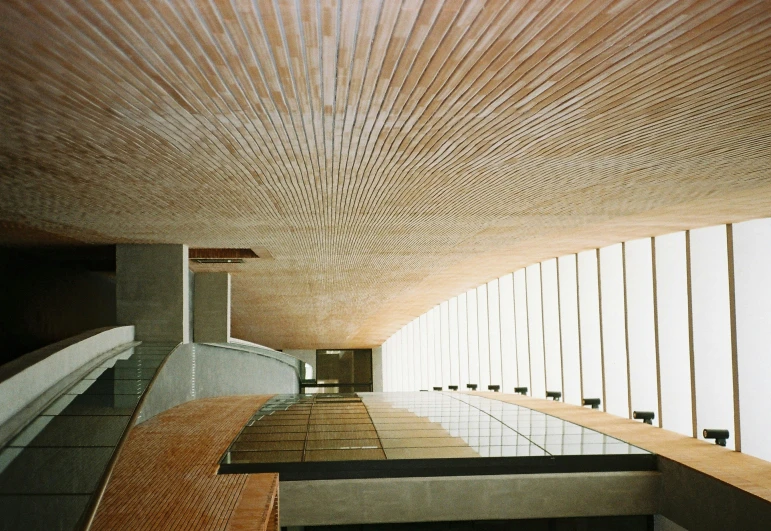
{"points": [[261, 428], [430, 453], [344, 455], [101, 404], [264, 457], [55, 471], [340, 427], [409, 434], [82, 431], [335, 420], [7, 455], [336, 435], [261, 446], [32, 430], [256, 437], [410, 426], [49, 512], [432, 442], [342, 444]]}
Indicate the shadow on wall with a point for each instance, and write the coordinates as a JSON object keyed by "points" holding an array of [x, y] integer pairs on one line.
{"points": [[47, 295]]}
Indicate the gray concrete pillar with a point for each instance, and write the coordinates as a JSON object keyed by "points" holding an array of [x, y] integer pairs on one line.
{"points": [[211, 319], [152, 291], [377, 369]]}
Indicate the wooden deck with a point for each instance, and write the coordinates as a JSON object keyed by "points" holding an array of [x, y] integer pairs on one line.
{"points": [[745, 472], [166, 475]]}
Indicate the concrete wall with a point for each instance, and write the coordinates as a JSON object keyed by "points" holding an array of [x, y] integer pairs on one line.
{"points": [[377, 369], [306, 355], [662, 523], [152, 291], [437, 499], [196, 371], [212, 308]]}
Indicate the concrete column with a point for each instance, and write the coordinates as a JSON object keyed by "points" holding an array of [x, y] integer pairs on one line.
{"points": [[152, 291], [377, 369], [211, 319]]}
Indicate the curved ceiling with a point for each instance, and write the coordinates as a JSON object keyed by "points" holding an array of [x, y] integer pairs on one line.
{"points": [[387, 154]]}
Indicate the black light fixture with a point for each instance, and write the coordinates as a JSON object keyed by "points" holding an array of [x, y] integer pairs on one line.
{"points": [[473, 387], [720, 436], [437, 388], [645, 416], [594, 402], [554, 395], [494, 388], [452, 387], [521, 390], [424, 390]]}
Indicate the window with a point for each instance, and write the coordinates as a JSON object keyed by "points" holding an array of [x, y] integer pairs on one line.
{"points": [[614, 330], [711, 330], [508, 338], [589, 323], [642, 339], [571, 348], [535, 331], [674, 344]]}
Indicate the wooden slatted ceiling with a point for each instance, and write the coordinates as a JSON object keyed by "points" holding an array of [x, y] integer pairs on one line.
{"points": [[389, 154], [166, 474]]}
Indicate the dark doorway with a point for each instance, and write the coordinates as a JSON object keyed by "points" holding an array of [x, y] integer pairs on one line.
{"points": [[344, 370]]}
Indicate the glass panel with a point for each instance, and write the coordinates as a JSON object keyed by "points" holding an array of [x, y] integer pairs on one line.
{"points": [[463, 340], [589, 322], [430, 332], [438, 361], [383, 426], [424, 380], [445, 344], [494, 317], [642, 339], [404, 359], [535, 330], [614, 330], [49, 471], [520, 319], [508, 337], [387, 366], [551, 326], [410, 357], [568, 303], [752, 271], [454, 355], [674, 345], [473, 339], [711, 330], [416, 355], [484, 338]]}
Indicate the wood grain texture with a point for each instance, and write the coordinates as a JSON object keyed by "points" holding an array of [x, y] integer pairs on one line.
{"points": [[734, 468], [388, 154], [166, 474]]}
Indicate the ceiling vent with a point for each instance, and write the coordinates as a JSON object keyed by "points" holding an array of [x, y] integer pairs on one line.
{"points": [[222, 256]]}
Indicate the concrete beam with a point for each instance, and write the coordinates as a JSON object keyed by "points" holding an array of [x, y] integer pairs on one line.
{"points": [[152, 291], [211, 307], [458, 498]]}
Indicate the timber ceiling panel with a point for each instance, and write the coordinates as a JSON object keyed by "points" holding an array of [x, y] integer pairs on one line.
{"points": [[388, 154]]}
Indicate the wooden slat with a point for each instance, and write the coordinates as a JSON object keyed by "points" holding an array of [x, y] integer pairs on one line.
{"points": [[166, 475], [734, 468], [387, 154]]}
